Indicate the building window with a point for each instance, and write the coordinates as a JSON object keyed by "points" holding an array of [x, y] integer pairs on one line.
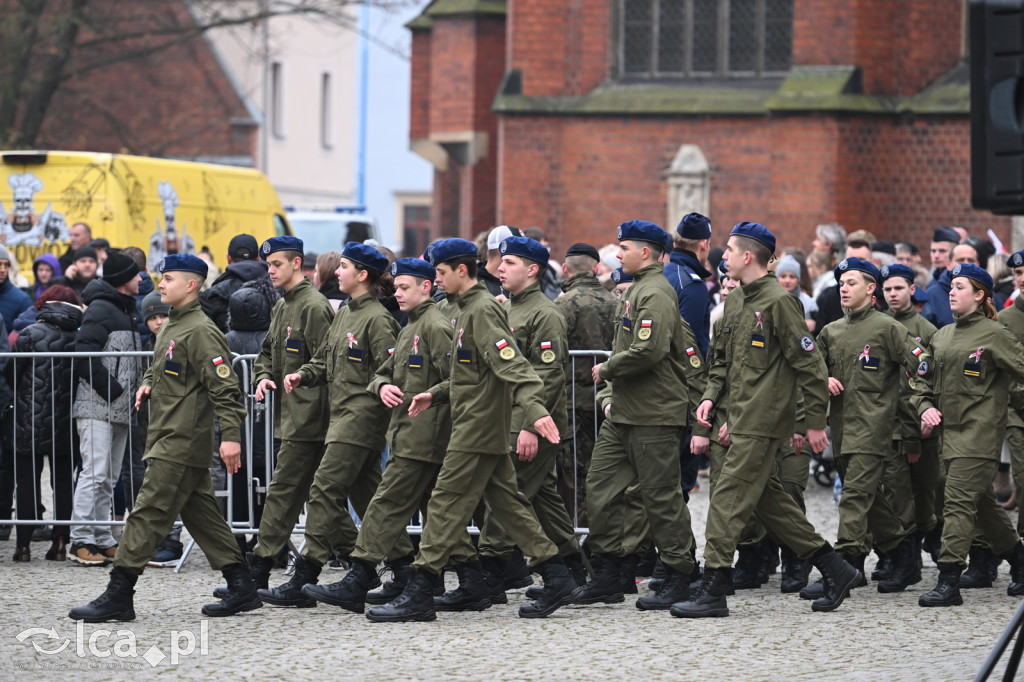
{"points": [[277, 99], [326, 111], [705, 38]]}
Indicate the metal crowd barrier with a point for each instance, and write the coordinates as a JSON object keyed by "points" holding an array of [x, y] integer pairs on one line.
{"points": [[258, 428]]}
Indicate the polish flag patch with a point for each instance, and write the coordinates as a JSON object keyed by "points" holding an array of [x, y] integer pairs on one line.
{"points": [[691, 350], [646, 323], [217, 360], [501, 344], [545, 345], [917, 351]]}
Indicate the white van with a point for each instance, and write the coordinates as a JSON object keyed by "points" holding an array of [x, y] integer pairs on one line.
{"points": [[329, 230]]}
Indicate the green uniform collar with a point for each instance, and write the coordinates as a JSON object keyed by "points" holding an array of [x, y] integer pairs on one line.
{"points": [[1019, 303], [365, 299], [582, 280], [766, 280], [853, 316], [419, 310], [907, 314], [297, 289], [469, 294], [648, 270], [969, 320], [526, 294], [188, 308]]}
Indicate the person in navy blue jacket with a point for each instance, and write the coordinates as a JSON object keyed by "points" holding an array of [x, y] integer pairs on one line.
{"points": [[686, 273]]}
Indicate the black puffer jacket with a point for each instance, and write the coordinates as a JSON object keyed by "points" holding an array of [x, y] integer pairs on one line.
{"points": [[44, 386], [249, 316], [216, 299]]}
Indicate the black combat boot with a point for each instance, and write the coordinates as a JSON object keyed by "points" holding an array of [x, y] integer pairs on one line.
{"points": [[241, 594], [816, 590], [657, 576], [648, 560], [494, 577], [905, 570], [749, 569], [838, 577], [932, 543], [947, 591], [883, 569], [627, 572], [978, 572], [708, 600], [401, 574], [259, 571], [290, 593], [794, 571], [1016, 561], [577, 571], [114, 604], [606, 587], [516, 572], [675, 588], [350, 592], [416, 603], [472, 594], [558, 589]]}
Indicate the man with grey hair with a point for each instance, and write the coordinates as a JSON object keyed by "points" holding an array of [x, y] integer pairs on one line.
{"points": [[830, 237]]}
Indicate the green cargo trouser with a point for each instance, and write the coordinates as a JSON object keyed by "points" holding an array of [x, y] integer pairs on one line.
{"points": [[1015, 437], [170, 489], [898, 488], [865, 505], [538, 483], [970, 501], [297, 462], [924, 485], [649, 456], [465, 478], [574, 463], [748, 483], [346, 471], [405, 486]]}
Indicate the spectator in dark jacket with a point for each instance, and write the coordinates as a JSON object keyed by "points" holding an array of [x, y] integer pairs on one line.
{"points": [[13, 301], [44, 393], [102, 409], [81, 272], [46, 270], [243, 267], [326, 280]]}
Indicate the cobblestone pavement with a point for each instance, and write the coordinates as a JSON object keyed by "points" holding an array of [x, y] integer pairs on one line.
{"points": [[768, 636]]}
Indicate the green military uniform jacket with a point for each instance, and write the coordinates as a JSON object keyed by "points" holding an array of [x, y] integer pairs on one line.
{"points": [[488, 374], [191, 382], [865, 350], [975, 361], [540, 334], [651, 355], [909, 429], [722, 406], [299, 324], [1013, 319], [764, 353], [420, 361], [359, 341], [589, 312]]}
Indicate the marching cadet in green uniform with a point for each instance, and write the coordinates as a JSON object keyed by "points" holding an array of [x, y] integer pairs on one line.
{"points": [[589, 311], [488, 375], [1013, 319], [975, 360], [299, 323], [912, 472], [360, 340], [189, 382], [417, 445], [864, 352], [762, 351], [640, 439], [540, 334]]}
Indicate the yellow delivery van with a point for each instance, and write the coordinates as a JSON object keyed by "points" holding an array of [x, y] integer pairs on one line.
{"points": [[159, 205]]}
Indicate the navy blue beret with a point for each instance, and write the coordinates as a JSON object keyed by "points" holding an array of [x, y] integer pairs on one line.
{"points": [[619, 277], [524, 247], [1015, 260], [449, 249], [367, 256], [897, 270], [850, 263], [694, 226], [642, 231], [970, 271], [919, 296], [280, 244], [946, 234], [755, 231], [414, 267], [185, 262]]}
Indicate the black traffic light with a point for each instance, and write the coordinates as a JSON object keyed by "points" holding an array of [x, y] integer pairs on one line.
{"points": [[997, 105]]}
